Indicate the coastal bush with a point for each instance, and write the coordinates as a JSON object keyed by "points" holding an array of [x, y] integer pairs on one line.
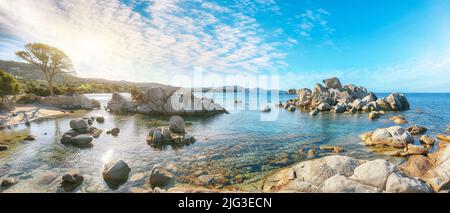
{"points": [[8, 86]]}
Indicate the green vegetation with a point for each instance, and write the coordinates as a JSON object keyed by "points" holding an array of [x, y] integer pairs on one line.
{"points": [[8, 85], [50, 60]]}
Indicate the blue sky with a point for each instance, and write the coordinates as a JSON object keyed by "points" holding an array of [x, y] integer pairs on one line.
{"points": [[383, 45]]}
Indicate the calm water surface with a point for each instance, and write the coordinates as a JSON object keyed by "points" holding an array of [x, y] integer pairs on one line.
{"points": [[237, 145]]}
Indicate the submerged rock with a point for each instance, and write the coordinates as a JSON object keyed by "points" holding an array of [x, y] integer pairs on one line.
{"points": [[116, 173], [70, 181], [160, 177], [416, 130], [115, 131], [425, 139]]}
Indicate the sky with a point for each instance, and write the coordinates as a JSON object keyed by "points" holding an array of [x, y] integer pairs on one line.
{"points": [[384, 45]]}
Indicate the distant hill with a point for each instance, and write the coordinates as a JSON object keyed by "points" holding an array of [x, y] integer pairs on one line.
{"points": [[27, 71]]}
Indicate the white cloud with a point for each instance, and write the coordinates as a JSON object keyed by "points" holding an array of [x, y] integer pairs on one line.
{"points": [[314, 26], [111, 40]]}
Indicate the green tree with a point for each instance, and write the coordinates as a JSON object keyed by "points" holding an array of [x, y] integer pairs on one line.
{"points": [[8, 85], [50, 60]]}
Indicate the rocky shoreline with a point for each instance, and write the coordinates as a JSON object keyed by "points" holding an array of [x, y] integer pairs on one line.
{"points": [[164, 100]]}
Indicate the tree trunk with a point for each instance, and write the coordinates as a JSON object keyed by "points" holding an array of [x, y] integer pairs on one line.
{"points": [[50, 86]]}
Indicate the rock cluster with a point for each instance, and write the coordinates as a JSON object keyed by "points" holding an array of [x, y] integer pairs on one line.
{"points": [[332, 96], [164, 99], [80, 134], [394, 136], [174, 135], [335, 174]]}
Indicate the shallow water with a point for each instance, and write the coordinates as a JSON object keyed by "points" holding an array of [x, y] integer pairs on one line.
{"points": [[237, 145]]}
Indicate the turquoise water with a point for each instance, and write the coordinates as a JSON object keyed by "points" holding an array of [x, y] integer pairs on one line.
{"points": [[238, 145]]}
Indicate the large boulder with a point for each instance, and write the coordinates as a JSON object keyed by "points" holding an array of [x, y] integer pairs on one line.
{"points": [[438, 177], [70, 102], [374, 173], [116, 173], [394, 136], [397, 102], [78, 124], [417, 165], [121, 104], [311, 173], [304, 97], [342, 184], [333, 83], [399, 183], [82, 140], [370, 97], [176, 124]]}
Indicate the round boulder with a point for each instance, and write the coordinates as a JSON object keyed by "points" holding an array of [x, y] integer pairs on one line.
{"points": [[116, 173], [78, 123], [176, 124], [82, 140]]}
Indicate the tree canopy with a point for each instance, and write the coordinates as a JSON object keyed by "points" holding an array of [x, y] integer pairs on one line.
{"points": [[8, 85], [50, 60]]}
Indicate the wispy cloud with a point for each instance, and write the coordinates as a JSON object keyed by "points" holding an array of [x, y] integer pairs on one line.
{"points": [[315, 22], [165, 37]]}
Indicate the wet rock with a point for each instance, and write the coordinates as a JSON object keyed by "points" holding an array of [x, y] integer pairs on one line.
{"points": [[116, 173], [3, 147], [96, 133], [373, 173], [115, 131], [70, 181], [82, 140], [66, 139], [46, 177], [314, 112], [100, 119], [156, 137], [394, 136], [78, 123], [400, 121], [425, 139], [176, 124], [160, 177], [335, 149], [30, 138], [342, 184], [165, 135], [374, 115], [416, 150], [137, 177], [417, 165], [444, 138], [416, 130], [399, 183], [8, 182], [311, 153], [324, 107], [292, 108]]}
